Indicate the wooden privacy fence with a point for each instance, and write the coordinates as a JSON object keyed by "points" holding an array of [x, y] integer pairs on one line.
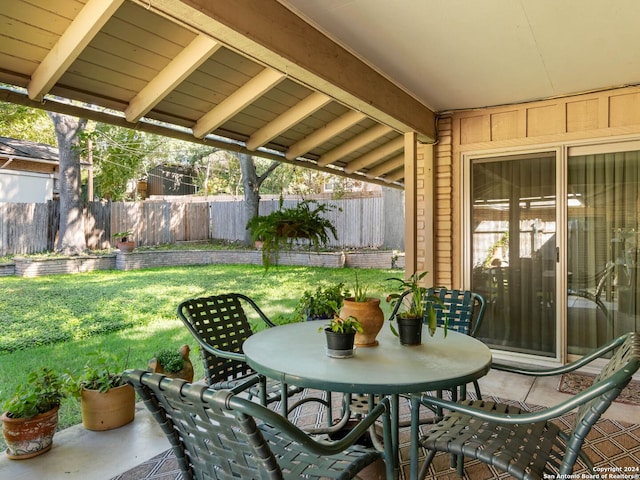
{"points": [[30, 228]]}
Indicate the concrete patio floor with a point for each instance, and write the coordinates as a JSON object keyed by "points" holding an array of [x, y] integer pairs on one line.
{"points": [[78, 453]]}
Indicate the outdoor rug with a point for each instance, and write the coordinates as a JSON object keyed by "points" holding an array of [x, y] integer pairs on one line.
{"points": [[575, 382], [610, 444]]}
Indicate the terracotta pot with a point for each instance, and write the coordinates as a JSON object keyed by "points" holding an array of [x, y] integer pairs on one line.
{"points": [[187, 371], [370, 317], [126, 247], [339, 345], [27, 438], [108, 410]]}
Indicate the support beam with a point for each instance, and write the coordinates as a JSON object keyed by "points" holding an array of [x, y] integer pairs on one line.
{"points": [[354, 144], [385, 167], [375, 155], [234, 103], [183, 65], [410, 208], [294, 115], [277, 37], [394, 176], [70, 45], [323, 134]]}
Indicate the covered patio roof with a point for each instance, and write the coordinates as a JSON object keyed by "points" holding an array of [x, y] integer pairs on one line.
{"points": [[331, 85], [232, 74]]}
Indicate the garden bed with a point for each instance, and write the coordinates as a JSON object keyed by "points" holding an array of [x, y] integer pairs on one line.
{"points": [[138, 259]]}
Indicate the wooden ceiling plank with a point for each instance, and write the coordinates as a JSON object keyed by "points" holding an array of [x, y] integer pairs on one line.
{"points": [[307, 55], [288, 119], [354, 144], [375, 155], [73, 41], [238, 100], [323, 134], [386, 167], [183, 65]]}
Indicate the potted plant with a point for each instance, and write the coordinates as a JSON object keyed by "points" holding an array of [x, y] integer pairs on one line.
{"points": [[123, 242], [286, 227], [106, 400], [31, 414], [413, 309], [367, 310], [340, 334], [173, 363], [320, 304]]}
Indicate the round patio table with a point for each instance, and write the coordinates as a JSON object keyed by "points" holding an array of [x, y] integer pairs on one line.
{"points": [[296, 354]]}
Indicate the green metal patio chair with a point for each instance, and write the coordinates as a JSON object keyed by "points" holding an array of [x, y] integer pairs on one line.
{"points": [[217, 434], [220, 325], [527, 445]]}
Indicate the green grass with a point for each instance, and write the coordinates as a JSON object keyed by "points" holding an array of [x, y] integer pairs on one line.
{"points": [[58, 320]]}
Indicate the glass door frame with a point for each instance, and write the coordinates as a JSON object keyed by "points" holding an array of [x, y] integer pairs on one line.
{"points": [[561, 242]]}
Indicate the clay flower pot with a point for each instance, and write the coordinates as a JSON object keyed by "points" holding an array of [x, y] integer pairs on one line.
{"points": [[370, 317], [107, 410], [29, 437]]}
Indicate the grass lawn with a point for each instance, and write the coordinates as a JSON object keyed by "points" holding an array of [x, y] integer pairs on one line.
{"points": [[59, 320]]}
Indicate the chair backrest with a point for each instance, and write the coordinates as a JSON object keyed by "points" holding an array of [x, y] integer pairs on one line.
{"points": [[208, 439], [615, 375], [219, 322], [462, 309]]}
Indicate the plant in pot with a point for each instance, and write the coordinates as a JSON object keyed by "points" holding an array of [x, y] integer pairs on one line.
{"points": [[340, 334], [173, 363], [31, 414], [413, 308], [367, 310], [124, 243], [321, 303], [285, 228], [106, 400]]}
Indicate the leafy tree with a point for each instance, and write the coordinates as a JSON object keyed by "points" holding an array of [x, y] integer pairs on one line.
{"points": [[26, 123]]}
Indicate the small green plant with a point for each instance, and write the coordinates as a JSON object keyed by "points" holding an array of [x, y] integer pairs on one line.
{"points": [[171, 360], [415, 302], [43, 390], [344, 325], [122, 236], [359, 291], [101, 374], [321, 303]]}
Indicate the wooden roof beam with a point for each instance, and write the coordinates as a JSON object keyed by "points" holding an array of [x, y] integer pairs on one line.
{"points": [[385, 167], [183, 65], [394, 176], [288, 119], [237, 101], [354, 144], [375, 155], [277, 37], [73, 41], [321, 135]]}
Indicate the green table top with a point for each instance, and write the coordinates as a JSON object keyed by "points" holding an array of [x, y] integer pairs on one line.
{"points": [[295, 354]]}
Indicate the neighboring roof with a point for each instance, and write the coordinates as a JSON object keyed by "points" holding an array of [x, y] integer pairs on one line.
{"points": [[26, 149]]}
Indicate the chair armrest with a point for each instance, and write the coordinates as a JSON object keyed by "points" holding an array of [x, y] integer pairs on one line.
{"points": [[531, 417], [316, 446], [219, 353], [570, 367], [257, 309]]}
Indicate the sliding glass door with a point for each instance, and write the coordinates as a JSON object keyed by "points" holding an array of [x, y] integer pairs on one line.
{"points": [[515, 253], [514, 250], [603, 255]]}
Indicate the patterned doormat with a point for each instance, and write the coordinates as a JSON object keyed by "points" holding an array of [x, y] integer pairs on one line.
{"points": [[610, 444], [575, 382]]}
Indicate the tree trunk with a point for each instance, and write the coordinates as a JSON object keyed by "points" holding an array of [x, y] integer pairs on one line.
{"points": [[251, 184], [71, 239]]}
